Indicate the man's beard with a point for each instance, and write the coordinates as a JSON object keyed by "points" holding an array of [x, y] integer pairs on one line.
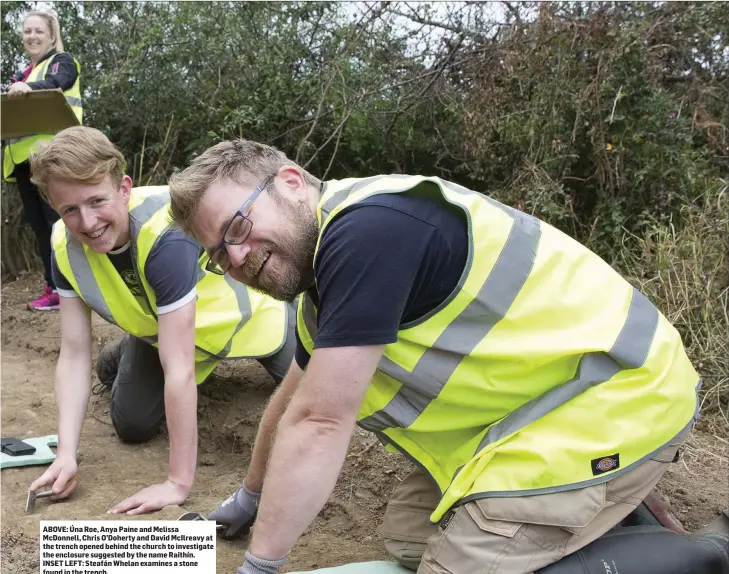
{"points": [[294, 252]]}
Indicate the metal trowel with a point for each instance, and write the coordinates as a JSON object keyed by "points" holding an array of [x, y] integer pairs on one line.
{"points": [[199, 516], [32, 496]]}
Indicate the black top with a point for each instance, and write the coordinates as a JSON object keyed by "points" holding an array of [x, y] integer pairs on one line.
{"points": [[384, 262], [61, 73]]}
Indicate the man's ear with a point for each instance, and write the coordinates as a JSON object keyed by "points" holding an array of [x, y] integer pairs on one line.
{"points": [[294, 181], [126, 188]]}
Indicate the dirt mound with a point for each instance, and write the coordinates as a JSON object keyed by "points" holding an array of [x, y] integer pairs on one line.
{"points": [[20, 552], [230, 407]]}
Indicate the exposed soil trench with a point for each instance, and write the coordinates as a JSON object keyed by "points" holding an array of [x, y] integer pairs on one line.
{"points": [[229, 409]]}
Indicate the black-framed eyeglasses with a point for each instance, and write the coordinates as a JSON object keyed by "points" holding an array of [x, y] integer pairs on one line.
{"points": [[236, 232]]}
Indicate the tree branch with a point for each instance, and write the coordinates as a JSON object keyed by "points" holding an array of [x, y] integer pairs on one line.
{"points": [[444, 25]]}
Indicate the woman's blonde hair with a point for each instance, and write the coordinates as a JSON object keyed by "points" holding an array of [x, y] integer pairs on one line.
{"points": [[53, 25], [81, 154]]}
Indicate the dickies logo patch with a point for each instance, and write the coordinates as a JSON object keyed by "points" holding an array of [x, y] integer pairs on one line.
{"points": [[605, 464], [54, 68], [447, 519]]}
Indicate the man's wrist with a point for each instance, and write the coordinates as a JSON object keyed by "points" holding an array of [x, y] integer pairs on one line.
{"points": [[66, 452], [182, 486], [255, 492]]}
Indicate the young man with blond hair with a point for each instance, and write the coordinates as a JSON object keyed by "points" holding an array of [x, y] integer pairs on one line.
{"points": [[540, 396], [115, 253]]}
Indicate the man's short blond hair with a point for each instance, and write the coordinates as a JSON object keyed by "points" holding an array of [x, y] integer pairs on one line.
{"points": [[79, 154], [243, 161]]}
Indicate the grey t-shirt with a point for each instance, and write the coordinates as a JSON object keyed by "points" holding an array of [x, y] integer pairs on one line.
{"points": [[171, 270]]}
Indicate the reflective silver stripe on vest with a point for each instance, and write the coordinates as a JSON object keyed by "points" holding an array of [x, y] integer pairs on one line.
{"points": [[85, 279], [16, 140], [200, 274], [342, 194], [138, 217], [145, 210], [435, 367], [630, 351], [43, 69], [74, 101], [309, 314], [244, 307]]}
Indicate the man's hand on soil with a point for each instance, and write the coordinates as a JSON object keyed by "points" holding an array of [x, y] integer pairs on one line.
{"points": [[61, 475], [153, 497], [237, 512]]}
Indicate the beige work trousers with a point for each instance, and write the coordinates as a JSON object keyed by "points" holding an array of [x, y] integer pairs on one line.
{"points": [[510, 535]]}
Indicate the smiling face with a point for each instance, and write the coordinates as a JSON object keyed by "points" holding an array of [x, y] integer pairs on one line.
{"points": [[277, 256], [96, 214], [37, 37]]}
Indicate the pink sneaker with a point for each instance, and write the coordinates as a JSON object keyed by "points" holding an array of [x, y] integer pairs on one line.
{"points": [[49, 301]]}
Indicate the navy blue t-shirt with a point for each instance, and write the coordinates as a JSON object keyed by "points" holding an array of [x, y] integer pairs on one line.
{"points": [[383, 263]]}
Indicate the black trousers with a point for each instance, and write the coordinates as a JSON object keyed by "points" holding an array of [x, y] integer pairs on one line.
{"points": [[39, 215], [138, 388]]}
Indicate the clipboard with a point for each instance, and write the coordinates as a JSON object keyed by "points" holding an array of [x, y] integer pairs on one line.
{"points": [[36, 112]]}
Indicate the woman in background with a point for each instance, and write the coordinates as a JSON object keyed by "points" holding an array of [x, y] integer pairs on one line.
{"points": [[50, 68]]}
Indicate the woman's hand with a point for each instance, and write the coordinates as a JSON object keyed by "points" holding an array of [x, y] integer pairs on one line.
{"points": [[18, 89]]}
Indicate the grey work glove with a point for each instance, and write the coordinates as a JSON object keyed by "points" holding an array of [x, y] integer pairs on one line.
{"points": [[254, 565], [237, 512]]}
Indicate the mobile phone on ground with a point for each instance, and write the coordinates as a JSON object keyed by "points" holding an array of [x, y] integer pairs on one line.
{"points": [[16, 447]]}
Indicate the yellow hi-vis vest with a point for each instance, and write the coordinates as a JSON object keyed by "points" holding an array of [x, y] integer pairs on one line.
{"points": [[543, 371], [18, 150], [231, 321]]}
